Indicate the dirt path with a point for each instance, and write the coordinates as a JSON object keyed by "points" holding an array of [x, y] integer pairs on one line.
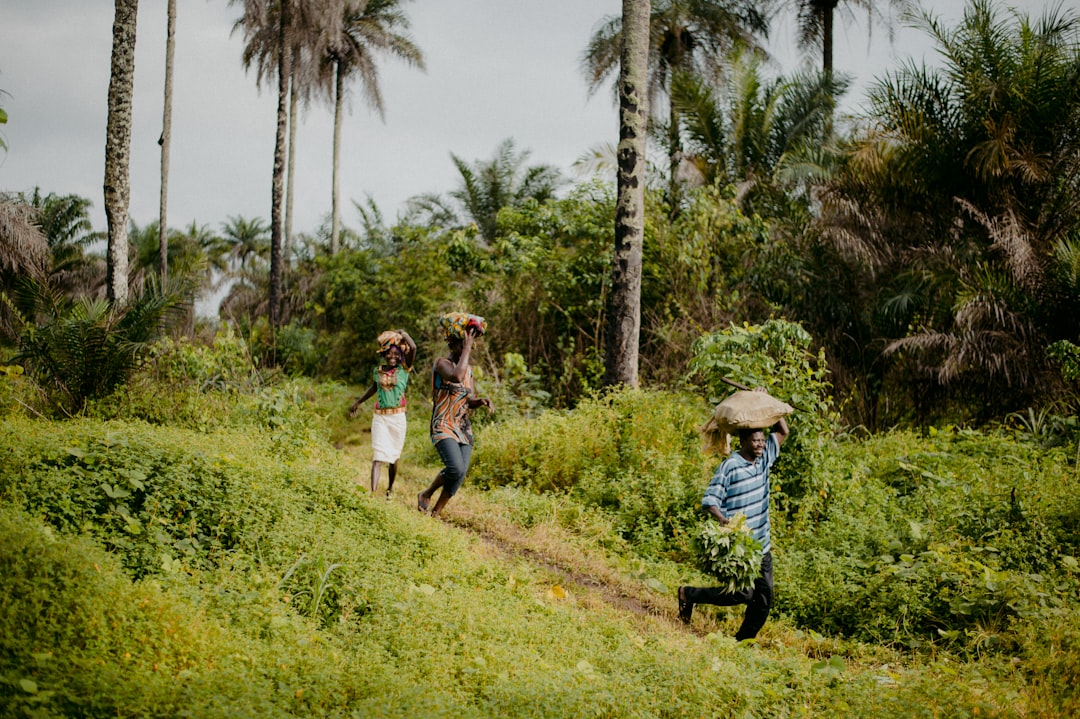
{"points": [[589, 578], [583, 576]]}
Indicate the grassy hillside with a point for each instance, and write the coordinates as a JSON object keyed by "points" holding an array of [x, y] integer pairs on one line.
{"points": [[240, 570]]}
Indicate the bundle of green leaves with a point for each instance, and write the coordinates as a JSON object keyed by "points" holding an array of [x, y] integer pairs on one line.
{"points": [[730, 553]]}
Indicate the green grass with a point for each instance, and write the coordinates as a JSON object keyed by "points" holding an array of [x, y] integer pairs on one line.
{"points": [[263, 581]]}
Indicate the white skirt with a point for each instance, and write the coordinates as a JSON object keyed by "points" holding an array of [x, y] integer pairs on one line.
{"points": [[387, 437]]}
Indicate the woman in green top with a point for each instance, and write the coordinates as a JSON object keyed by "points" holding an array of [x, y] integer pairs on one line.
{"points": [[388, 421]]}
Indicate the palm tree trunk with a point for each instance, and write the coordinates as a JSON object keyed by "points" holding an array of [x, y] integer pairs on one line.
{"points": [[335, 199], [289, 191], [674, 159], [118, 147], [277, 186], [624, 322], [827, 24], [166, 137]]}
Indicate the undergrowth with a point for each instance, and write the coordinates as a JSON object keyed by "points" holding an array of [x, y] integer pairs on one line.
{"points": [[234, 569]]}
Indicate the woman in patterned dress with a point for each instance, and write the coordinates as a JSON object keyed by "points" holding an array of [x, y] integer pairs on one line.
{"points": [[453, 395], [388, 423]]}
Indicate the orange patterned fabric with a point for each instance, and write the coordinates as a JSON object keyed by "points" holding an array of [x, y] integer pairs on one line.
{"points": [[450, 409]]}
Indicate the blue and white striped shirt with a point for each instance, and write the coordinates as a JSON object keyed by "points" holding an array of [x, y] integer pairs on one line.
{"points": [[742, 486]]}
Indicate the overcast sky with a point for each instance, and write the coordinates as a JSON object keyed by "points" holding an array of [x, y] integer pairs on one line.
{"points": [[495, 69]]}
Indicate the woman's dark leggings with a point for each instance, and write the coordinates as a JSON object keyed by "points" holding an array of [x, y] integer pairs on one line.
{"points": [[455, 457], [758, 599]]}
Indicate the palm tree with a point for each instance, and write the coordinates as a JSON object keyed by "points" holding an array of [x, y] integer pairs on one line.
{"points": [[486, 187], [83, 349], [368, 27], [624, 320], [247, 239], [165, 141], [767, 137], [65, 222], [118, 146], [959, 199], [684, 35], [279, 34], [817, 18]]}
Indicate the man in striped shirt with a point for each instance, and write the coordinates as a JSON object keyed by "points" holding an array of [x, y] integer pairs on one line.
{"points": [[741, 484]]}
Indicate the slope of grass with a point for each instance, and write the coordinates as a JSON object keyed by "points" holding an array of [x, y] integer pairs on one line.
{"points": [[156, 571]]}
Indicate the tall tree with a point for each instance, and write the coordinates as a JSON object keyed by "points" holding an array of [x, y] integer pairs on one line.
{"points": [[369, 28], [624, 321], [817, 21], [290, 179], [684, 35], [165, 141], [246, 239], [279, 34], [118, 146]]}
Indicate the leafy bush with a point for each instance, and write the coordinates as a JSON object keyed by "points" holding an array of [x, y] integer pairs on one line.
{"points": [[634, 454], [924, 540], [185, 384], [730, 553], [776, 355], [84, 349]]}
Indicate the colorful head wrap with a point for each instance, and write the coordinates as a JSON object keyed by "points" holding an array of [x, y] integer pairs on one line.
{"points": [[454, 324], [389, 339]]}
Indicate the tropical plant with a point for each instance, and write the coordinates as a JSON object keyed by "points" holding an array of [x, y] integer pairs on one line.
{"points": [[247, 240], [689, 36], [65, 221], [486, 187], [817, 21], [546, 286], [368, 28], [956, 207], [24, 253], [730, 553], [83, 349], [281, 38], [770, 138]]}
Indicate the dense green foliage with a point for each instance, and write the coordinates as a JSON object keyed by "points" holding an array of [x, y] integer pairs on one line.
{"points": [[153, 570], [729, 553], [961, 538], [193, 542], [84, 349]]}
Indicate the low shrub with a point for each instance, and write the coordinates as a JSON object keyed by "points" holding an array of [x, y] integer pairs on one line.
{"points": [[632, 454]]}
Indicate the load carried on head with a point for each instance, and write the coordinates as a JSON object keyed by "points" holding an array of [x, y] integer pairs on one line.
{"points": [[455, 324], [742, 410]]}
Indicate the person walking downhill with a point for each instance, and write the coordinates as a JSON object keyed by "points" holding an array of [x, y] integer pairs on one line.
{"points": [[452, 396], [741, 484], [388, 424]]}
